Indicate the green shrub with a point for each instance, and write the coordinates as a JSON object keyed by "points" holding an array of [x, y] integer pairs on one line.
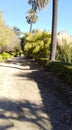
{"points": [[6, 55], [20, 53], [61, 69], [1, 59], [37, 45]]}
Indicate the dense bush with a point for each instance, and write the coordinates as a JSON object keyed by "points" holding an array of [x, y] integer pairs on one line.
{"points": [[37, 45], [6, 55], [61, 69]]}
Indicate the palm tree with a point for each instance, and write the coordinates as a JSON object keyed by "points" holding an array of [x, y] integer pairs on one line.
{"points": [[17, 31], [31, 18], [40, 4], [54, 30]]}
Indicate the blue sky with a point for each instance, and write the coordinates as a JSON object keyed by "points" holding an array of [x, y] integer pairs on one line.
{"points": [[15, 12]]}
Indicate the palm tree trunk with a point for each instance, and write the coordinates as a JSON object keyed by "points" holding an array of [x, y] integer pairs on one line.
{"points": [[31, 27], [54, 30]]}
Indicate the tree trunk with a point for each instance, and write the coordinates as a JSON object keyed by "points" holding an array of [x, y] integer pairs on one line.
{"points": [[31, 27], [54, 30]]}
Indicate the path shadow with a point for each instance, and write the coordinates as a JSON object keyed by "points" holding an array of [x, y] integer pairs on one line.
{"points": [[53, 106], [22, 61], [5, 126], [24, 111]]}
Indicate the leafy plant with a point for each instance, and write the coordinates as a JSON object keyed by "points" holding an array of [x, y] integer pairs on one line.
{"points": [[61, 69], [37, 44], [6, 55]]}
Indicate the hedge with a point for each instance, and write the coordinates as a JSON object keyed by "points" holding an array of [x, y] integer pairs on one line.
{"points": [[63, 70]]}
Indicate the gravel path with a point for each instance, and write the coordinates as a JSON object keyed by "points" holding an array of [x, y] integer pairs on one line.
{"points": [[25, 101]]}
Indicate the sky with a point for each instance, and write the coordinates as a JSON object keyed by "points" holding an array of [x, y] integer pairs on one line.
{"points": [[14, 13]]}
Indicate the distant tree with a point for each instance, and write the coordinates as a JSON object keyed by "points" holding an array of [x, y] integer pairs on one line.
{"points": [[8, 38], [36, 30], [17, 31], [31, 18]]}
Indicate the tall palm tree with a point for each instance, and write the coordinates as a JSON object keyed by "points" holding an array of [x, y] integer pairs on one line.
{"points": [[54, 30], [31, 18]]}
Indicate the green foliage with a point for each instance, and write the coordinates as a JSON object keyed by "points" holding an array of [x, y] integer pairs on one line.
{"points": [[1, 59], [61, 69], [6, 56], [37, 44]]}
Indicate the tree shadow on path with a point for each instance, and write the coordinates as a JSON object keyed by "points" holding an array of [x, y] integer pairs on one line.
{"points": [[23, 111], [54, 108], [26, 111]]}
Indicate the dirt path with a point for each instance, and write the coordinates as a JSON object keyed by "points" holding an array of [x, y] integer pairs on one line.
{"points": [[25, 102]]}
